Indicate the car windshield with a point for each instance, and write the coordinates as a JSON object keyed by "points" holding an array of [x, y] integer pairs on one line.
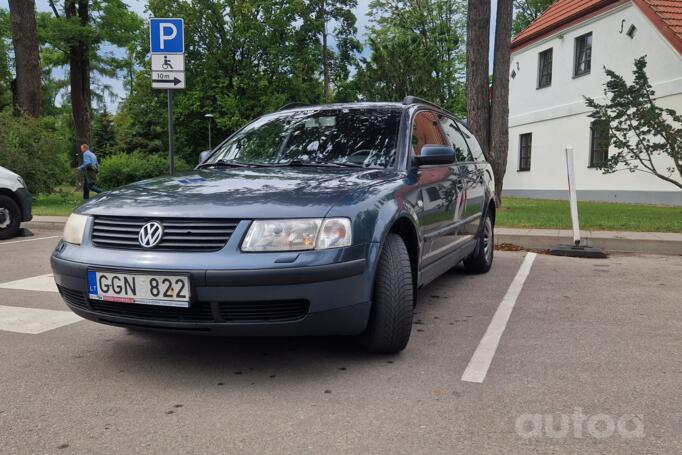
{"points": [[346, 137]]}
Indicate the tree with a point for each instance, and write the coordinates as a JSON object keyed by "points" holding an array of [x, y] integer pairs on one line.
{"points": [[77, 31], [26, 57], [478, 96], [6, 76], [416, 48], [488, 109], [526, 11], [323, 13], [645, 135], [499, 111], [104, 134]]}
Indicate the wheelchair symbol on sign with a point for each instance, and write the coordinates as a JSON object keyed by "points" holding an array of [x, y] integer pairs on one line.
{"points": [[166, 63]]}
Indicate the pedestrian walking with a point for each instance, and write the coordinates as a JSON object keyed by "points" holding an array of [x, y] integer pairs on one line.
{"points": [[89, 170]]}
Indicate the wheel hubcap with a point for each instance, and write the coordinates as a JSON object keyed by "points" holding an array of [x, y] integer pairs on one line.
{"points": [[487, 240], [5, 219]]}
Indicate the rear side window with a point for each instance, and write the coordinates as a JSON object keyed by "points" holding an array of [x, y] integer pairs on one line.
{"points": [[426, 130], [455, 140], [474, 146]]}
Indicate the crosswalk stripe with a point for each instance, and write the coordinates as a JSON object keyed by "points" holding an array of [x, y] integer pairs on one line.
{"points": [[44, 283], [33, 320]]}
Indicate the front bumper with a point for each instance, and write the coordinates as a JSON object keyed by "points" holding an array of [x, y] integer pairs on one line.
{"points": [[333, 298]]}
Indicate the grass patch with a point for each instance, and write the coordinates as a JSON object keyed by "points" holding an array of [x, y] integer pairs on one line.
{"points": [[598, 216], [60, 203]]}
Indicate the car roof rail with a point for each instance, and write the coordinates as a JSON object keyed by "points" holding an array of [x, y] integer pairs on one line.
{"points": [[415, 100], [292, 105]]}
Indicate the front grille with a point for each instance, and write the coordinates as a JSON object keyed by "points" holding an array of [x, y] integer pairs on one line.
{"points": [[263, 311], [73, 298], [199, 311], [179, 234]]}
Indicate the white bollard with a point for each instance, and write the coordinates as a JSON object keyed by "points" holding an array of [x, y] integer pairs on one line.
{"points": [[573, 198]]}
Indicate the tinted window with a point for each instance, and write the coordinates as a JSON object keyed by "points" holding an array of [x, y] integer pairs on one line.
{"points": [[474, 146], [455, 139], [365, 137], [426, 130]]}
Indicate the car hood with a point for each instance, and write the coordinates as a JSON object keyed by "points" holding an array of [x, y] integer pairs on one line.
{"points": [[268, 192]]}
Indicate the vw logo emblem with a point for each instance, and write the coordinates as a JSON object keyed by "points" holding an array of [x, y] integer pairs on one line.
{"points": [[150, 234]]}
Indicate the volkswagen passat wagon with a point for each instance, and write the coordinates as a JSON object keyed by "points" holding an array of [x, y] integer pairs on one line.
{"points": [[308, 221]]}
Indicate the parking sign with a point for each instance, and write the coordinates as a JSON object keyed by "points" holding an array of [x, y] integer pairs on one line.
{"points": [[167, 35]]}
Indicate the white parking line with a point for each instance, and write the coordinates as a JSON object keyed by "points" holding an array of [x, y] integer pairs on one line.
{"points": [[483, 357], [30, 240], [44, 283], [33, 320]]}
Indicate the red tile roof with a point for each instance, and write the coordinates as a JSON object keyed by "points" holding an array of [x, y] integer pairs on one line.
{"points": [[666, 15]]}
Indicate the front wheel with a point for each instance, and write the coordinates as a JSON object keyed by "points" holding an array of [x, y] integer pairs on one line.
{"points": [[390, 321], [482, 259], [10, 217]]}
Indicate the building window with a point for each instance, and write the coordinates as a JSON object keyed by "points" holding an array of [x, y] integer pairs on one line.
{"points": [[583, 55], [599, 143], [545, 68], [526, 143]]}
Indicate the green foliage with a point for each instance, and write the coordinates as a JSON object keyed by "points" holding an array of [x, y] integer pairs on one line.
{"points": [[417, 48], [36, 149], [647, 138], [5, 61], [526, 11], [124, 168], [103, 134]]}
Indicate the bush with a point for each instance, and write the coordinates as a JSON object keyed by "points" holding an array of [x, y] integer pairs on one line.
{"points": [[125, 168], [36, 149]]}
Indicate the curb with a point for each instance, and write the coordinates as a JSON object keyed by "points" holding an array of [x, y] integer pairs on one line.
{"points": [[46, 222], [610, 241]]}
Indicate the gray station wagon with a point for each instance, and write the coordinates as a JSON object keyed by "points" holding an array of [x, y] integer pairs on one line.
{"points": [[312, 220]]}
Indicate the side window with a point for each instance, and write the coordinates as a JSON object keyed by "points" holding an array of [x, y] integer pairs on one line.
{"points": [[474, 146], [426, 130], [455, 140]]}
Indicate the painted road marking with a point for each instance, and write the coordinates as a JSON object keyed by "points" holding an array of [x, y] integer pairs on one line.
{"points": [[44, 283], [30, 240], [32, 320], [483, 357]]}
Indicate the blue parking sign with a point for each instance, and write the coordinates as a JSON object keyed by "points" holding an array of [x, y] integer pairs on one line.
{"points": [[167, 35]]}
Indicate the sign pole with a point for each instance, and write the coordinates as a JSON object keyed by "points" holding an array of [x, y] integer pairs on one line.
{"points": [[570, 168], [170, 132]]}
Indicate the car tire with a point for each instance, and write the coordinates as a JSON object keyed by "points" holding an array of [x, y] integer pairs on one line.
{"points": [[10, 217], [482, 259], [390, 321]]}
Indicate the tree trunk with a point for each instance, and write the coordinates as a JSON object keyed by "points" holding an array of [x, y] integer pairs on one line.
{"points": [[79, 65], [325, 53], [478, 102], [27, 95], [499, 115]]}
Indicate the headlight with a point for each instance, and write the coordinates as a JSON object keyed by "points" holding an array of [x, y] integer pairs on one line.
{"points": [[297, 235], [74, 229], [21, 181]]}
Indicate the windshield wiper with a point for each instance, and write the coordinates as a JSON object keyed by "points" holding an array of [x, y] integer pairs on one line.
{"points": [[230, 163], [295, 163]]}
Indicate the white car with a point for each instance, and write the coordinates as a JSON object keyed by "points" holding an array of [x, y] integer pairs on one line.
{"points": [[15, 203]]}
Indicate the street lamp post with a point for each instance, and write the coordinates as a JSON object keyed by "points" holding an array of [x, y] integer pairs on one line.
{"points": [[209, 117]]}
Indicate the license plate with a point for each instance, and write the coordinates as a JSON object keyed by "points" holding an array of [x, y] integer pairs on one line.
{"points": [[163, 290]]}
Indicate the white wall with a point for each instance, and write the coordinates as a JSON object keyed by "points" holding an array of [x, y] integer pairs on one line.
{"points": [[557, 115]]}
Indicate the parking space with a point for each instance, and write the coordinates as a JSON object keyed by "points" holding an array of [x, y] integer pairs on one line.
{"points": [[587, 345]]}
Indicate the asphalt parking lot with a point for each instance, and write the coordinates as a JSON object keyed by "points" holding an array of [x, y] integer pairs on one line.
{"points": [[589, 361]]}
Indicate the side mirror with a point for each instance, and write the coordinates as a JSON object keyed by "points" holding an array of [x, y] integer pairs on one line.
{"points": [[203, 156], [435, 154]]}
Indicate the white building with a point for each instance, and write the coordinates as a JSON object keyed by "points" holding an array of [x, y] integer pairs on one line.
{"points": [[560, 58]]}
